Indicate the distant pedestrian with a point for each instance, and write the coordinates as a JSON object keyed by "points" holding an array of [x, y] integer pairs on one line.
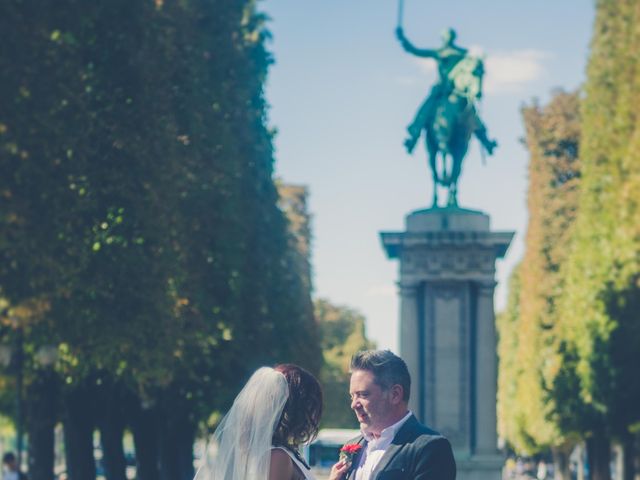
{"points": [[10, 467], [541, 474]]}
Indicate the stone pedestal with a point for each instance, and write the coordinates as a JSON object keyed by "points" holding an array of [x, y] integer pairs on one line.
{"points": [[447, 328]]}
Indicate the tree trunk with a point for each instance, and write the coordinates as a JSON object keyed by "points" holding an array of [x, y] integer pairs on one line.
{"points": [[617, 459], [78, 434], [112, 426], [111, 434], [599, 455], [176, 448], [145, 438], [580, 474], [636, 457], [561, 470], [41, 421], [629, 453], [185, 454]]}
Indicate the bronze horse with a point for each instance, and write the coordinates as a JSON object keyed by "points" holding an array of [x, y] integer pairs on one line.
{"points": [[449, 128]]}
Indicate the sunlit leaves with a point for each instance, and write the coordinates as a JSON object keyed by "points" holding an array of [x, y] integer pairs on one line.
{"points": [[531, 330]]}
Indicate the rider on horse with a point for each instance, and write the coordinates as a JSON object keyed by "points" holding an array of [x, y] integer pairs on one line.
{"points": [[449, 58]]}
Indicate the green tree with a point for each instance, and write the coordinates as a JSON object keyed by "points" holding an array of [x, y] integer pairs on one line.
{"points": [[293, 202], [342, 330], [602, 289], [510, 417], [553, 136], [532, 410], [139, 226]]}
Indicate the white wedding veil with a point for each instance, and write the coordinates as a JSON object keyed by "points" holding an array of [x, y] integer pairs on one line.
{"points": [[240, 448]]}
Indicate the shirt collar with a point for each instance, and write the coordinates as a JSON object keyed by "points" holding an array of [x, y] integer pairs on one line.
{"points": [[386, 436]]}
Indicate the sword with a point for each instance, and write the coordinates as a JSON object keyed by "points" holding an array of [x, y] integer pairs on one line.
{"points": [[483, 155], [483, 152], [400, 12]]}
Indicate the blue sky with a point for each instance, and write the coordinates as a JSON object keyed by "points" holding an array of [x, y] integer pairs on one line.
{"points": [[342, 91]]}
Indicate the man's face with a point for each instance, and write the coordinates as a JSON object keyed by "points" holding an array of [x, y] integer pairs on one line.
{"points": [[374, 406]]}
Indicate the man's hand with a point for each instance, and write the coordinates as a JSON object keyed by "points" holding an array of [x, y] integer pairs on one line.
{"points": [[339, 470]]}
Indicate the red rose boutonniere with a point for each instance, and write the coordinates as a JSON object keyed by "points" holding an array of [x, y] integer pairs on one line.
{"points": [[348, 451]]}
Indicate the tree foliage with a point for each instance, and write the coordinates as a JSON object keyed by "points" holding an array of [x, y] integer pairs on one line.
{"points": [[530, 328], [603, 270], [139, 225], [578, 323], [293, 201], [342, 331]]}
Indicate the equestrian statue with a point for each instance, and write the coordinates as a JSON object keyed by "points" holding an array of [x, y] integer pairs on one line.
{"points": [[449, 115]]}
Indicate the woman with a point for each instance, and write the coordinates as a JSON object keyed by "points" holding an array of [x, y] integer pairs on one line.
{"points": [[277, 410]]}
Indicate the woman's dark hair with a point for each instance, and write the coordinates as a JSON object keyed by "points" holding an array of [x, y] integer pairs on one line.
{"points": [[301, 415]]}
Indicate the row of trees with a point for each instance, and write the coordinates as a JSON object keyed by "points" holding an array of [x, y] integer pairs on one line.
{"points": [[139, 226], [570, 336]]}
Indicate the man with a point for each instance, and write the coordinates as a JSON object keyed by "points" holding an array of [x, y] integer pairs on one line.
{"points": [[10, 466], [394, 444]]}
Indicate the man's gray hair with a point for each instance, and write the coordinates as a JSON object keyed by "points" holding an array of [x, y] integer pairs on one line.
{"points": [[387, 368]]}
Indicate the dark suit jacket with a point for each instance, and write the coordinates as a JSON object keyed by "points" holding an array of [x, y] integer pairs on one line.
{"points": [[415, 453]]}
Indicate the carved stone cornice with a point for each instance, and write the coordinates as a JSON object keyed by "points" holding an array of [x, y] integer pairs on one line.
{"points": [[395, 243], [408, 290], [448, 262], [487, 287]]}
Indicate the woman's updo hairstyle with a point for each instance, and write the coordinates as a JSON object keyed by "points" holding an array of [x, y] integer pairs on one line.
{"points": [[301, 415]]}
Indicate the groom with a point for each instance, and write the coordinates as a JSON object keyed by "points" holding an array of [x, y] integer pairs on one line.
{"points": [[394, 444]]}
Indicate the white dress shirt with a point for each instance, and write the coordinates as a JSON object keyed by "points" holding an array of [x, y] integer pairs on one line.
{"points": [[376, 448]]}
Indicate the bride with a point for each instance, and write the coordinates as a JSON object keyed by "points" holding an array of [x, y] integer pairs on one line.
{"points": [[278, 410]]}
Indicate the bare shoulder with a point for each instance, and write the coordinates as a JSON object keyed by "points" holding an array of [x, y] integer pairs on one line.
{"points": [[281, 467]]}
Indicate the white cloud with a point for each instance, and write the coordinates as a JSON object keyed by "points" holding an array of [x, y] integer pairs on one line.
{"points": [[381, 291], [505, 72], [477, 51], [509, 72]]}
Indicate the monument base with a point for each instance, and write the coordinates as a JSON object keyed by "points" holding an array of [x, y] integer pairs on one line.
{"points": [[447, 328]]}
